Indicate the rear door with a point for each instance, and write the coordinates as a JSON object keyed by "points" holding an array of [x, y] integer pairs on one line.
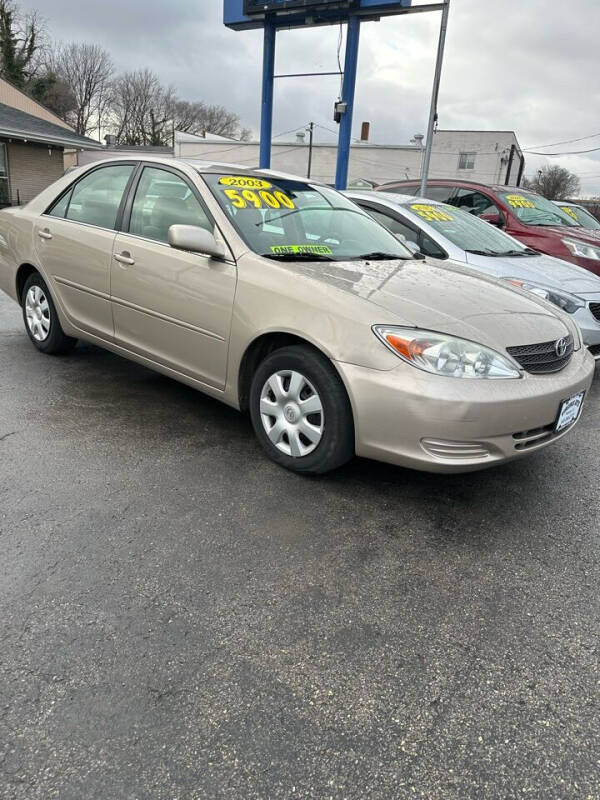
{"points": [[74, 242], [171, 306]]}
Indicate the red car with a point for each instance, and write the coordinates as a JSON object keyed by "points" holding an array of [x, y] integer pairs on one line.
{"points": [[527, 216]]}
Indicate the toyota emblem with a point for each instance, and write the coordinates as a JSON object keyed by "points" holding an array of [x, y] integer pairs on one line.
{"points": [[561, 347]]}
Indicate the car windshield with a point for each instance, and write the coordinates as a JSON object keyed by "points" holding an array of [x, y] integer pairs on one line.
{"points": [[291, 219], [581, 216], [533, 209], [464, 230]]}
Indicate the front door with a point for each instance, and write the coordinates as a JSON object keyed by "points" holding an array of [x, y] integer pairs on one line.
{"points": [[74, 244], [171, 306]]}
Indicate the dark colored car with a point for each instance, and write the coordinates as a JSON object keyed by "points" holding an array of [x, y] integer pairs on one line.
{"points": [[527, 216]]}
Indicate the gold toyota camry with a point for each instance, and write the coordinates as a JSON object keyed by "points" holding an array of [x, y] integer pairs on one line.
{"points": [[282, 298]]}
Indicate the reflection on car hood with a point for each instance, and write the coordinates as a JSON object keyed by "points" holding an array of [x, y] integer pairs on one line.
{"points": [[545, 270], [449, 298]]}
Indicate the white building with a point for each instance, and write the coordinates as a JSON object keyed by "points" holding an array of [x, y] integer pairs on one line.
{"points": [[483, 156]]}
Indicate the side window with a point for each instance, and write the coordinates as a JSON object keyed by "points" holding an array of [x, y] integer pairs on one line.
{"points": [[430, 248], [441, 193], [163, 199], [95, 200], [474, 202], [401, 189], [59, 209], [394, 225]]}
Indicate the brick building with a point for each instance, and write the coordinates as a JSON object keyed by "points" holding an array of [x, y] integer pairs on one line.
{"points": [[32, 145]]}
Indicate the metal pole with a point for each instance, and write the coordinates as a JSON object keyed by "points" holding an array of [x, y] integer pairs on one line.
{"points": [[348, 90], [266, 121], [434, 97], [311, 130]]}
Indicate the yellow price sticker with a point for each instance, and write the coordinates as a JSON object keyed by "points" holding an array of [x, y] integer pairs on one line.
{"points": [[244, 182], [518, 201], [432, 213], [313, 249], [570, 212], [248, 198]]}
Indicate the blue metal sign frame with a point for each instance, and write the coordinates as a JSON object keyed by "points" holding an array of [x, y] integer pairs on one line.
{"points": [[276, 14]]}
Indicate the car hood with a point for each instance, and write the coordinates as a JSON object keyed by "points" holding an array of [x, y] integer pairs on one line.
{"points": [[450, 298], [545, 270], [585, 234]]}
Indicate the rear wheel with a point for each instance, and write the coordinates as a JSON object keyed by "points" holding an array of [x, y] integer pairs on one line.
{"points": [[41, 320], [300, 411]]}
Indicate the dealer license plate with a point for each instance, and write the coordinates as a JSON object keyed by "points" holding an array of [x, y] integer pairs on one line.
{"points": [[569, 411]]}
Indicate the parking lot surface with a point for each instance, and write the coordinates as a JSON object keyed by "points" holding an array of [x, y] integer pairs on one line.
{"points": [[180, 618]]}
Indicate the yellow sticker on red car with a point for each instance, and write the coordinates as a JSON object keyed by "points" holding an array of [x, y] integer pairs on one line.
{"points": [[313, 249], [569, 211], [244, 182], [518, 201], [432, 213], [248, 198]]}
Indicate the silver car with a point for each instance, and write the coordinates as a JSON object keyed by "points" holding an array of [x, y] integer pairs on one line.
{"points": [[445, 232]]}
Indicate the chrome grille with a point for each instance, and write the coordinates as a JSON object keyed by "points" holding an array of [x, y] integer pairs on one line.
{"points": [[541, 358], [595, 309]]}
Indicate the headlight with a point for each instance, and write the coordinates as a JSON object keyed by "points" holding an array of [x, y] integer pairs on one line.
{"points": [[581, 249], [568, 302], [445, 355]]}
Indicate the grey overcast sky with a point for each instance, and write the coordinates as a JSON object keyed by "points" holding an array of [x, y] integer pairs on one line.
{"points": [[526, 65]]}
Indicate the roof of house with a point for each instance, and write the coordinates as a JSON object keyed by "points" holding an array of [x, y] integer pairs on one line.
{"points": [[16, 124]]}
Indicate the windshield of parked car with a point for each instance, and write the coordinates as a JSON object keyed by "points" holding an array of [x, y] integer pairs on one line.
{"points": [[291, 219], [464, 230], [582, 216], [533, 209]]}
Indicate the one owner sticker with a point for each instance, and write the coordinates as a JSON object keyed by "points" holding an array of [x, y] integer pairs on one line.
{"points": [[312, 249]]}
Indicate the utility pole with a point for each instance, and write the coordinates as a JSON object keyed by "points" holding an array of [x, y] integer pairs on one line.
{"points": [[311, 131], [434, 97]]}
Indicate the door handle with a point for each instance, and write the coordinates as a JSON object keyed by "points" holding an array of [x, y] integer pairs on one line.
{"points": [[45, 234], [124, 258]]}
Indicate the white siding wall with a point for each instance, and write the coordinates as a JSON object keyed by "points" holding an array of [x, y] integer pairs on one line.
{"points": [[377, 163]]}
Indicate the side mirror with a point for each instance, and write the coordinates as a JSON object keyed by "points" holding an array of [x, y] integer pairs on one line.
{"points": [[494, 218], [195, 240]]}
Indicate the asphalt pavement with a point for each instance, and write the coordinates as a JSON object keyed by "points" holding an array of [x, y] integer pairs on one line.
{"points": [[181, 619]]}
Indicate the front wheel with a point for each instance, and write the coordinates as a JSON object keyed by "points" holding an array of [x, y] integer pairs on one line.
{"points": [[41, 320], [300, 411]]}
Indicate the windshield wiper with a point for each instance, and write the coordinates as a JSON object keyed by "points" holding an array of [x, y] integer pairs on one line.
{"points": [[483, 253], [379, 255], [297, 256]]}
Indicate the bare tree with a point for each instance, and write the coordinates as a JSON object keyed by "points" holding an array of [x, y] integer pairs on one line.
{"points": [[555, 183], [87, 69], [22, 39], [142, 110], [199, 118]]}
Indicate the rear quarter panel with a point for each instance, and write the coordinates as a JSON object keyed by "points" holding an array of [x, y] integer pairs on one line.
{"points": [[16, 247]]}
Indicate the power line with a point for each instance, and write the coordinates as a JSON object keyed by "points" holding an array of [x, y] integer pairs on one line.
{"points": [[567, 153], [567, 141]]}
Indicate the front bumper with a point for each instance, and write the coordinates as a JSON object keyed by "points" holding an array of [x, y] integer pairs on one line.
{"points": [[589, 326], [407, 417]]}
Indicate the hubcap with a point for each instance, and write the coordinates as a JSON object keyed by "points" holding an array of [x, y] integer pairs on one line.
{"points": [[37, 313], [292, 413]]}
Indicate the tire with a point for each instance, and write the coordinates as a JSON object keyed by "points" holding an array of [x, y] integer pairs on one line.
{"points": [[41, 320], [306, 396]]}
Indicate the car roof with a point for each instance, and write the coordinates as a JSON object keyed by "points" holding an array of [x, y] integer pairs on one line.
{"points": [[202, 166], [391, 198], [495, 187]]}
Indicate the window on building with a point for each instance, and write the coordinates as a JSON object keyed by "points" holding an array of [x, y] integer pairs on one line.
{"points": [[4, 186], [466, 161]]}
